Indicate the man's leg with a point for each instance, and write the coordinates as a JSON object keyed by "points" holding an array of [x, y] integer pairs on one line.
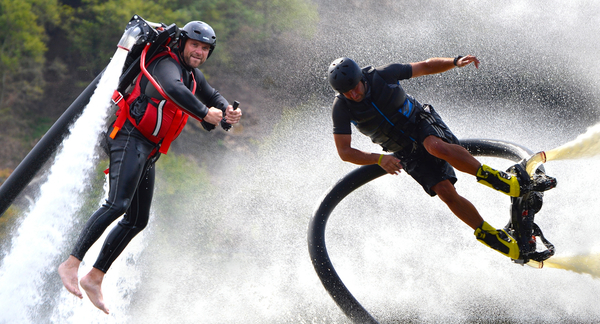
{"points": [[463, 161], [459, 205], [456, 155], [127, 160], [133, 222], [498, 240]]}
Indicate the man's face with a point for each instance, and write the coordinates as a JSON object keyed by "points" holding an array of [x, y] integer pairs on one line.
{"points": [[195, 52], [357, 94]]}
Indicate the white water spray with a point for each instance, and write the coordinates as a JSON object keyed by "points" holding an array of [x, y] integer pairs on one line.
{"points": [[584, 146], [41, 237]]}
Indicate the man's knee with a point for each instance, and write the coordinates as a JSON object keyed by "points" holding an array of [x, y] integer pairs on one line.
{"points": [[436, 146], [446, 191], [118, 207]]}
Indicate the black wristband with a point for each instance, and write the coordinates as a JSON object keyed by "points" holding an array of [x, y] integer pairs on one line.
{"points": [[456, 60]]}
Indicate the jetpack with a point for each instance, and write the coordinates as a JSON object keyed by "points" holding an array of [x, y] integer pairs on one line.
{"points": [[142, 39]]}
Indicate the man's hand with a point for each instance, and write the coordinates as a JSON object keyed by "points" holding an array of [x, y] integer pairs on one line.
{"points": [[214, 116], [343, 143], [390, 164], [232, 116], [466, 60]]}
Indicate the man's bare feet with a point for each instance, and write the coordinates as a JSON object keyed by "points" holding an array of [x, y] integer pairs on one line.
{"points": [[92, 284], [68, 274]]}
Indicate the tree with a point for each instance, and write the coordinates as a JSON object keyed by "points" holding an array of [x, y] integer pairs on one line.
{"points": [[22, 51]]}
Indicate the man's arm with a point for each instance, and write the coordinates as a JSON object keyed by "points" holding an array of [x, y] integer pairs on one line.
{"points": [[212, 98], [441, 64], [343, 143], [168, 74]]}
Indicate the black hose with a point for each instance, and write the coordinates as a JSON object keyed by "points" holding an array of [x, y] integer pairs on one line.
{"points": [[44, 149]]}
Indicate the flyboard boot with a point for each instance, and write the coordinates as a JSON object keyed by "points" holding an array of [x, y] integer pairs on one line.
{"points": [[499, 180], [511, 183], [497, 239]]}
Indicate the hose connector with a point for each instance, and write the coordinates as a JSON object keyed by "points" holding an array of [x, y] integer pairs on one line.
{"points": [[138, 31]]}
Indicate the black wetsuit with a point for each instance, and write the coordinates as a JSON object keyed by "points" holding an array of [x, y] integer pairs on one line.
{"points": [[398, 122], [131, 171]]}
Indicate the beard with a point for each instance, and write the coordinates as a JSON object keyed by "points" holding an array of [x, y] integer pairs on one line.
{"points": [[193, 61]]}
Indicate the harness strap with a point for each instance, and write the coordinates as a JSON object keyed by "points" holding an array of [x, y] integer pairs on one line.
{"points": [[123, 112], [180, 120]]}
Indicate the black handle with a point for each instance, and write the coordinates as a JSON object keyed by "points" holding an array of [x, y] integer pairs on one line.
{"points": [[226, 126]]}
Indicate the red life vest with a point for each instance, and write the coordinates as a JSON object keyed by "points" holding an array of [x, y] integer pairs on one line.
{"points": [[162, 121]]}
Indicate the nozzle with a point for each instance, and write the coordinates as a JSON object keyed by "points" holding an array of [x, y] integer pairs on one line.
{"points": [[130, 37], [138, 31], [534, 162], [535, 264]]}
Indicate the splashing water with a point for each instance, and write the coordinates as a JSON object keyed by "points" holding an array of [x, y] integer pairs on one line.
{"points": [[24, 270], [584, 146], [585, 264]]}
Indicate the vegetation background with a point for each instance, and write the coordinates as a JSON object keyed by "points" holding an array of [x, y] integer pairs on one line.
{"points": [[50, 50]]}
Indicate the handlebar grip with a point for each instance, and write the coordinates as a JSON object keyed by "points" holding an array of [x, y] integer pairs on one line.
{"points": [[227, 126]]}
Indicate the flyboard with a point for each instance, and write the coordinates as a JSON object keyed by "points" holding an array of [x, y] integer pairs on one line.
{"points": [[521, 224], [141, 39]]}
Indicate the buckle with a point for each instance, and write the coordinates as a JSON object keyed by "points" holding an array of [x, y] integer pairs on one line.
{"points": [[118, 99]]}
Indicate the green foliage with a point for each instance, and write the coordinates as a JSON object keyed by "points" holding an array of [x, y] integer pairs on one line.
{"points": [[98, 25], [243, 26], [22, 49], [94, 28], [4, 174]]}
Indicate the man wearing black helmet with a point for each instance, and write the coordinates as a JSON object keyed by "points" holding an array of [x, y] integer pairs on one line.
{"points": [[149, 119], [373, 100]]}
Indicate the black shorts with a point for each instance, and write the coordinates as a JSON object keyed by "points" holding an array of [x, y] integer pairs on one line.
{"points": [[426, 169]]}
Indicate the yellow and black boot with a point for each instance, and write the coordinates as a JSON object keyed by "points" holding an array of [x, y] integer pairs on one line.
{"points": [[498, 240], [499, 180]]}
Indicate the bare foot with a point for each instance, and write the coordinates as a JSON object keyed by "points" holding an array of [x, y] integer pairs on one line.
{"points": [[92, 284], [68, 274]]}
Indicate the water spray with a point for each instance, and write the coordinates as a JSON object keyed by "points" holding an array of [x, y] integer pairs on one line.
{"points": [[585, 145], [587, 264]]}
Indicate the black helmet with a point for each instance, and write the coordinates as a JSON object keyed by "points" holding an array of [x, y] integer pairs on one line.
{"points": [[200, 31], [344, 74]]}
